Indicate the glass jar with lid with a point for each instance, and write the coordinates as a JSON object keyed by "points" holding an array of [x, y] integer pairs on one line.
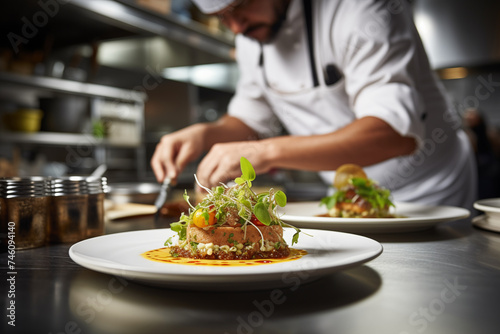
{"points": [[24, 213], [68, 209], [96, 187]]}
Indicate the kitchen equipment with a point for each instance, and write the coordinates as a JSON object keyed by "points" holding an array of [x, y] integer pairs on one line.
{"points": [[64, 113], [162, 197], [120, 120], [98, 172], [24, 120], [459, 32], [133, 192]]}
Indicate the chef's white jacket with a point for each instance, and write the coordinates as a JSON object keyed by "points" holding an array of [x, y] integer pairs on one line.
{"points": [[381, 70]]}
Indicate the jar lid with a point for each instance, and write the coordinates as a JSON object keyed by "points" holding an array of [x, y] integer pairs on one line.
{"points": [[34, 186], [97, 185], [68, 185]]}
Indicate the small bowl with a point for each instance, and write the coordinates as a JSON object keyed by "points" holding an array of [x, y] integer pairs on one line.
{"points": [[141, 192], [491, 218]]}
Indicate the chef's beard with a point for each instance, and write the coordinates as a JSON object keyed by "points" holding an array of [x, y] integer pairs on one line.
{"points": [[272, 28]]}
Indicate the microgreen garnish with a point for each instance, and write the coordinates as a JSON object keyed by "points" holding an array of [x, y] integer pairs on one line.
{"points": [[168, 242], [247, 172], [280, 198], [180, 227], [261, 212], [186, 198], [376, 196], [368, 190]]}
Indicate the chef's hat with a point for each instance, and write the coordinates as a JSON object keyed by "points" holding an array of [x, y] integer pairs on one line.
{"points": [[212, 6]]}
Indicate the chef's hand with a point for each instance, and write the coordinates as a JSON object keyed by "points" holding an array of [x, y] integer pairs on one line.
{"points": [[222, 163], [175, 151]]}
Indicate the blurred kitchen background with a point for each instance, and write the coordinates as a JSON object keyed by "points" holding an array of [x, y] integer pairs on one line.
{"points": [[91, 82]]}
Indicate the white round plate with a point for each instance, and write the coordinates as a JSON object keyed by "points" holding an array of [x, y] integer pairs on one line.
{"points": [[491, 218], [120, 254], [490, 206], [415, 217], [484, 222]]}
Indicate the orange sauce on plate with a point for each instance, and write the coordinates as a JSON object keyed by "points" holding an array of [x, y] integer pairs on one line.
{"points": [[163, 255]]}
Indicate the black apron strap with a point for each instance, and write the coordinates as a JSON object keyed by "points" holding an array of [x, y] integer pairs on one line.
{"points": [[307, 5], [310, 39]]}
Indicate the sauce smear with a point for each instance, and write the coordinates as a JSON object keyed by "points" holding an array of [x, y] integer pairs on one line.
{"points": [[163, 255]]}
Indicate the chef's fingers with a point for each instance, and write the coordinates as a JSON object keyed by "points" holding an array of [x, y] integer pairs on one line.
{"points": [[224, 173], [169, 162], [156, 165], [162, 161], [187, 153], [205, 168], [219, 165]]}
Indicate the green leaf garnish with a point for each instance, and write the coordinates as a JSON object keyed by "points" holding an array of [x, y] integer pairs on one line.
{"points": [[295, 237], [247, 171], [280, 198], [168, 242], [180, 227], [379, 198], [219, 190], [260, 211], [331, 201], [205, 216]]}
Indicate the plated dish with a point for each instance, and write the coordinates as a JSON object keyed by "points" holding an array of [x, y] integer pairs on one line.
{"points": [[409, 217], [357, 196], [233, 223], [120, 254]]}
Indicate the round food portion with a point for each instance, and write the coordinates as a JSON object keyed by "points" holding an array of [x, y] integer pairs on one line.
{"points": [[228, 235], [232, 243], [346, 172]]}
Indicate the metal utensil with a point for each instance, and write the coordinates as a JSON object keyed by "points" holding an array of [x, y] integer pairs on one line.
{"points": [[162, 196], [99, 172]]}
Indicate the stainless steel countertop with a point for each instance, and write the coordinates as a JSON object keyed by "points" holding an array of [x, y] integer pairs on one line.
{"points": [[443, 280]]}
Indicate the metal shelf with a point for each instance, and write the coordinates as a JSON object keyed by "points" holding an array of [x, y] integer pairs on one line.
{"points": [[128, 15], [85, 21], [72, 87], [61, 139]]}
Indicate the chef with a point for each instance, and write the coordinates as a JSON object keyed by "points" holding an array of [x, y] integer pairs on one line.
{"points": [[328, 82]]}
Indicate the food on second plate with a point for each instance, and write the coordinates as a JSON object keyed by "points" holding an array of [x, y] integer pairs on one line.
{"points": [[233, 223], [357, 196]]}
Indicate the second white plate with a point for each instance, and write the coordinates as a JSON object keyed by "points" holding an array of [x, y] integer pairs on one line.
{"points": [[416, 217]]}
